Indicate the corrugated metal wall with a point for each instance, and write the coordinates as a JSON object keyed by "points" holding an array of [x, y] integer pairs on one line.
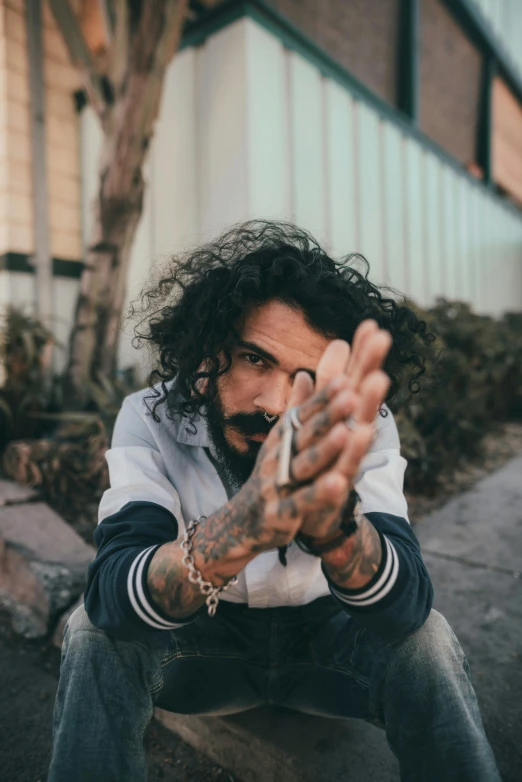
{"points": [[250, 129], [505, 17]]}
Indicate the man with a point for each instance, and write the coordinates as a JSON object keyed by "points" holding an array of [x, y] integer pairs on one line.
{"points": [[254, 545]]}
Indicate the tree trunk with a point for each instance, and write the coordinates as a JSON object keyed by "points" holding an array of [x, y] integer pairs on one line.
{"points": [[94, 337], [142, 50]]}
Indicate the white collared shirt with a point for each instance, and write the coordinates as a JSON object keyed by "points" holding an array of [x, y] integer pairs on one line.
{"points": [[166, 463]]}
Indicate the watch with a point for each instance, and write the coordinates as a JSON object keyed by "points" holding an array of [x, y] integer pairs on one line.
{"points": [[350, 523]]}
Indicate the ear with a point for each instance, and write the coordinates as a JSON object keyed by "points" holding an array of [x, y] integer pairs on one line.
{"points": [[202, 382]]}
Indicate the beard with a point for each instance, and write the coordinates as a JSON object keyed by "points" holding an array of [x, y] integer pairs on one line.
{"points": [[238, 465]]}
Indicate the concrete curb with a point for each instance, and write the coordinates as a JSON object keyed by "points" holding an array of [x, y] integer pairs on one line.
{"points": [[279, 745]]}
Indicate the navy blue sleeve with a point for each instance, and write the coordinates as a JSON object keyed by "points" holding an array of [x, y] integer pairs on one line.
{"points": [[117, 598], [399, 597]]}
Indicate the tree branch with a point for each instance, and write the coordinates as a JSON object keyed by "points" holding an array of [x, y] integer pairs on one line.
{"points": [[153, 46], [109, 18], [80, 54], [120, 44]]}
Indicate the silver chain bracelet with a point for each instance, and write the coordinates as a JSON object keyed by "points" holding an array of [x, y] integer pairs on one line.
{"points": [[195, 576]]}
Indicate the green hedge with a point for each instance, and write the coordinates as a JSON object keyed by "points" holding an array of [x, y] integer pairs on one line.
{"points": [[474, 382]]}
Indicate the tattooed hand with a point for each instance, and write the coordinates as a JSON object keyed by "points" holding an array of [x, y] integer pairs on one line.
{"points": [[261, 517], [328, 453], [364, 390]]}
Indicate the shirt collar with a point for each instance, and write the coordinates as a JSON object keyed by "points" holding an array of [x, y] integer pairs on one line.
{"points": [[193, 433]]}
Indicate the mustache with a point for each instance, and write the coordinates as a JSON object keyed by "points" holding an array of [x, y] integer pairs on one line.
{"points": [[249, 423]]}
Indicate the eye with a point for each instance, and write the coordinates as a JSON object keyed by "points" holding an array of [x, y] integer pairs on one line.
{"points": [[253, 359]]}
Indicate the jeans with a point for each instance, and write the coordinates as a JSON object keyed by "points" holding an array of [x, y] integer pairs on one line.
{"points": [[312, 658]]}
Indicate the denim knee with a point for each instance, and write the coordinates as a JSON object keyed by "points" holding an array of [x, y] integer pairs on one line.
{"points": [[78, 620], [433, 646], [79, 623], [427, 665]]}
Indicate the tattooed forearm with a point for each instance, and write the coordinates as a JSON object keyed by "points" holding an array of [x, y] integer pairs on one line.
{"points": [[221, 545], [169, 587], [354, 564]]}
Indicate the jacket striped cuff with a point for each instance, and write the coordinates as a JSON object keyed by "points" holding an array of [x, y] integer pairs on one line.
{"points": [[140, 598], [381, 585]]}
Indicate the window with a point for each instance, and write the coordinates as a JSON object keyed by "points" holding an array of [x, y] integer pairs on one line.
{"points": [[506, 140], [361, 35], [450, 78]]}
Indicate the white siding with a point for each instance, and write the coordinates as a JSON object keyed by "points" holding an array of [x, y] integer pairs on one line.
{"points": [[370, 182], [250, 129], [173, 183], [268, 127], [305, 95], [394, 212], [505, 19], [342, 230]]}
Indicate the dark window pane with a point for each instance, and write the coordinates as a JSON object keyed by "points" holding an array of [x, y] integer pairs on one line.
{"points": [[360, 35], [506, 157], [450, 68]]}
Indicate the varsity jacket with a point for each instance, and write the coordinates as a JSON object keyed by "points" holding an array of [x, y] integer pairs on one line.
{"points": [[163, 474]]}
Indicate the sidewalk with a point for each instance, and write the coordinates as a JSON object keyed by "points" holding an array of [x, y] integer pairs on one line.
{"points": [[473, 550]]}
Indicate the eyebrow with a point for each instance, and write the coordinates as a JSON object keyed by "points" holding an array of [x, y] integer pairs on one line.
{"points": [[269, 357]]}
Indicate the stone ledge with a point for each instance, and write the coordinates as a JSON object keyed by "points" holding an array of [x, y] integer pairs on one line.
{"points": [[12, 493], [278, 745], [43, 566]]}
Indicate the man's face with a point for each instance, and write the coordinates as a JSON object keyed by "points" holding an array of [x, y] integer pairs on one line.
{"points": [[276, 343]]}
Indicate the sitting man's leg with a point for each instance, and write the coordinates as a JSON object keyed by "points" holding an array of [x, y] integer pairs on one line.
{"points": [[417, 688], [108, 689]]}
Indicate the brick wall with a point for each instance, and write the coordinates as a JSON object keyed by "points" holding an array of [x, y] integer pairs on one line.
{"points": [[450, 68], [62, 138], [361, 35]]}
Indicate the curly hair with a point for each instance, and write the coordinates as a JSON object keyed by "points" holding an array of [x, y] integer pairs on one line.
{"points": [[193, 313]]}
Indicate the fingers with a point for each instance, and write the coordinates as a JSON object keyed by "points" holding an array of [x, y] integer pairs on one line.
{"points": [[302, 390], [369, 353], [372, 394], [370, 347], [349, 461], [365, 330], [334, 361], [319, 456], [318, 400], [342, 405], [322, 500]]}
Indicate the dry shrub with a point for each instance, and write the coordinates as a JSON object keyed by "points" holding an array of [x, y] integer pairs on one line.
{"points": [[70, 467], [474, 384]]}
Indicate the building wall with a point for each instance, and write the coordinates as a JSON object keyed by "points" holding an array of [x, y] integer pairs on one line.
{"points": [[62, 159], [251, 129], [450, 80], [361, 35], [62, 140], [505, 17]]}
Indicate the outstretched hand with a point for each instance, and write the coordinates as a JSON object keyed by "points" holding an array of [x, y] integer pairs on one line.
{"points": [[329, 453]]}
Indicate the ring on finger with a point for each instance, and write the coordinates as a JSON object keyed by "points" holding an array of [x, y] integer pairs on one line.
{"points": [[351, 423], [293, 414], [354, 426]]}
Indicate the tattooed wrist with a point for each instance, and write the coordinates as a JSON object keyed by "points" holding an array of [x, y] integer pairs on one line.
{"points": [[353, 564], [222, 545], [168, 583]]}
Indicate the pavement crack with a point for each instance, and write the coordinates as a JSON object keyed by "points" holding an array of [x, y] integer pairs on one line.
{"points": [[470, 563]]}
